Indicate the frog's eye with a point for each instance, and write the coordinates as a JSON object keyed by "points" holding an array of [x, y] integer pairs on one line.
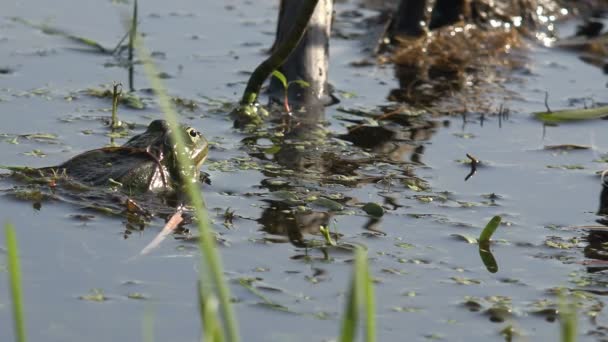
{"points": [[194, 134]]}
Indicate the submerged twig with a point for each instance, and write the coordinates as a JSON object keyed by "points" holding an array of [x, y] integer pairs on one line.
{"points": [[474, 162], [547, 102], [173, 222], [116, 92]]}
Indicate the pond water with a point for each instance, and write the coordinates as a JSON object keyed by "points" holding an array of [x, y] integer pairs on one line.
{"points": [[431, 283]]}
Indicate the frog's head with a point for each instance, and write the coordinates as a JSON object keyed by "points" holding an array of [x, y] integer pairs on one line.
{"points": [[157, 140]]}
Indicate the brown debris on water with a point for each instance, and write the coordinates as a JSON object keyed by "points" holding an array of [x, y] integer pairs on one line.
{"points": [[460, 68], [461, 58]]}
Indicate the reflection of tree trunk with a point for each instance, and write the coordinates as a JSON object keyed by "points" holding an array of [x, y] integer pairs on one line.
{"points": [[410, 18], [310, 60], [447, 12]]}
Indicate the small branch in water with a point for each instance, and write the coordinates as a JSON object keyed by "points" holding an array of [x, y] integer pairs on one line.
{"points": [[474, 162], [116, 92], [173, 222], [547, 102]]}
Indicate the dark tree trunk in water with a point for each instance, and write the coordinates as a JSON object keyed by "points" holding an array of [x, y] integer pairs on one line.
{"points": [[447, 12], [410, 18], [310, 60]]}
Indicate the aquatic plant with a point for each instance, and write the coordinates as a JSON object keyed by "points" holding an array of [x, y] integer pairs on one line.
{"points": [[489, 230], [572, 114], [14, 270], [279, 75], [360, 298]]}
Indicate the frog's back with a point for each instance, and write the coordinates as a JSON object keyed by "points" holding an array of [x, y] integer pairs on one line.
{"points": [[98, 167]]}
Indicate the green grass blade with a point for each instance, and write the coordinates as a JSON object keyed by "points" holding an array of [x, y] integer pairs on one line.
{"points": [[351, 314], [490, 228], [212, 329], [14, 271], [568, 319], [360, 293], [147, 325], [572, 114], [370, 302], [210, 259]]}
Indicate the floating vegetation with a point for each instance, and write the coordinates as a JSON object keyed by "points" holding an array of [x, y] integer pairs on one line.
{"points": [[465, 281], [130, 100], [572, 115], [46, 138], [95, 295], [35, 153], [373, 209], [567, 147], [566, 167], [46, 29]]}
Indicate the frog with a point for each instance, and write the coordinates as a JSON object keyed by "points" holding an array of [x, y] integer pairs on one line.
{"points": [[146, 162]]}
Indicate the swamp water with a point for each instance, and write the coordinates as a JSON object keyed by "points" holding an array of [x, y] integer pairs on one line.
{"points": [[82, 273]]}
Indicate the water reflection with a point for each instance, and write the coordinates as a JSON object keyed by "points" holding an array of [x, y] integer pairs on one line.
{"points": [[485, 253], [597, 238], [312, 168], [279, 218]]}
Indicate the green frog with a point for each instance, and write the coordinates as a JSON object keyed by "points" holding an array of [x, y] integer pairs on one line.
{"points": [[147, 162]]}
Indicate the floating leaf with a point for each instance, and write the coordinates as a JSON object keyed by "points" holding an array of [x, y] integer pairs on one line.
{"points": [[128, 99], [58, 32], [373, 209], [137, 295], [39, 136], [404, 245], [35, 153], [467, 239], [329, 204], [465, 281], [566, 167], [572, 114], [567, 147], [96, 295]]}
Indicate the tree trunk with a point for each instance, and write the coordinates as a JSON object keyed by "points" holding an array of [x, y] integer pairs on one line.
{"points": [[310, 61]]}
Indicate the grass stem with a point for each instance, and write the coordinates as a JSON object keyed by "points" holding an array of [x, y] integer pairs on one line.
{"points": [[14, 270]]}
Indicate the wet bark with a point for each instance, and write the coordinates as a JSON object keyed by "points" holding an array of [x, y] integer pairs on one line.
{"points": [[310, 60]]}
